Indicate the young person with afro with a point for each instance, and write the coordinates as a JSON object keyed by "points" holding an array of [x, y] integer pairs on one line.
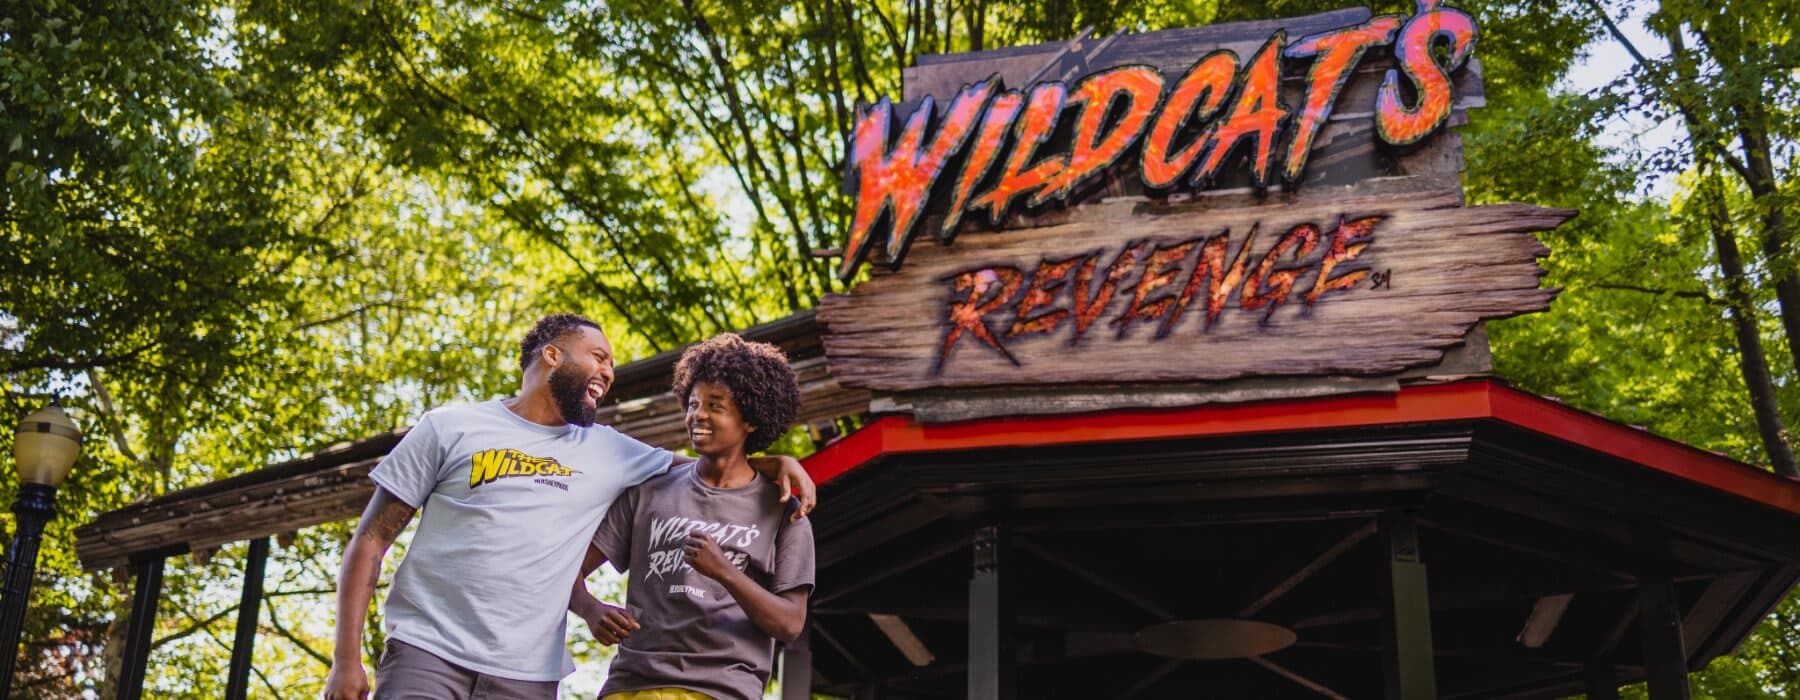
{"points": [[718, 572], [509, 493]]}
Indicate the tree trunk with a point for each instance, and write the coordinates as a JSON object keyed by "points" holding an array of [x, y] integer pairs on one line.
{"points": [[1751, 358], [1776, 236], [113, 653]]}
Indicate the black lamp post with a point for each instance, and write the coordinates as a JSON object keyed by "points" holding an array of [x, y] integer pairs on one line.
{"points": [[44, 449]]}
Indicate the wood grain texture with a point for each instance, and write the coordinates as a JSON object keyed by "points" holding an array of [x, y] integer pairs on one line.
{"points": [[1448, 268], [1460, 362]]}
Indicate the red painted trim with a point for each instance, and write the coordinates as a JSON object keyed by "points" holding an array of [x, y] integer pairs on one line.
{"points": [[1470, 400], [852, 451], [1546, 417]]}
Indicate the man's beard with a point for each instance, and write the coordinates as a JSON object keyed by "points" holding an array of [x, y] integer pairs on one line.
{"points": [[569, 388]]}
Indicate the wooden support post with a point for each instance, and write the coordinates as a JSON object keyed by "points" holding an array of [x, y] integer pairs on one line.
{"points": [[237, 682], [797, 668], [1407, 660], [149, 573], [992, 654], [1601, 680], [1659, 627]]}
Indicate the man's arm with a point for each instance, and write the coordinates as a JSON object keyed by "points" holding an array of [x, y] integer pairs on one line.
{"points": [[381, 522], [781, 616], [610, 624], [786, 472]]}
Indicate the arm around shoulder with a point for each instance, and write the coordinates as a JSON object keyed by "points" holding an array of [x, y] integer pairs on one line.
{"points": [[791, 477]]}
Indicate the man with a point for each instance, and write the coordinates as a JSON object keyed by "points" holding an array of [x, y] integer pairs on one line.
{"points": [[511, 492], [718, 574]]}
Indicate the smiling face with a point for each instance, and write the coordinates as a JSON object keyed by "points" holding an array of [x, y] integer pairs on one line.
{"points": [[715, 425], [581, 373]]}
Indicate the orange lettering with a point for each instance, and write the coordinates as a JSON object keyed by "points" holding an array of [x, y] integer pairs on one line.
{"points": [[1279, 283], [1347, 241], [982, 154], [1398, 124], [899, 179], [983, 291], [1162, 268], [1200, 94], [1050, 276], [1218, 278], [1139, 86], [1257, 114], [1091, 301], [1338, 52], [1034, 128]]}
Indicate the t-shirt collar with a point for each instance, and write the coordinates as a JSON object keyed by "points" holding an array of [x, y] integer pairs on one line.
{"points": [[693, 476], [556, 430]]}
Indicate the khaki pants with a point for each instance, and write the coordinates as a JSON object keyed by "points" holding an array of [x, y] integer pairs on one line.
{"points": [[658, 694], [407, 672]]}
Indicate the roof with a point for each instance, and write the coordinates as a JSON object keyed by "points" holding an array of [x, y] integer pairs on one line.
{"points": [[1429, 403], [1268, 511]]}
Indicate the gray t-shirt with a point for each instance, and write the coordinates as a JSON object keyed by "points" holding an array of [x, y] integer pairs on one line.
{"points": [[692, 633], [507, 510]]}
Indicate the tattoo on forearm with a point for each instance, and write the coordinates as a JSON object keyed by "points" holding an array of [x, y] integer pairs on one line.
{"points": [[390, 519], [385, 517]]}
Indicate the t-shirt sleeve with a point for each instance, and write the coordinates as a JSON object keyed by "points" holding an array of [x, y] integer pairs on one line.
{"points": [[640, 461], [613, 538], [412, 469], [794, 556]]}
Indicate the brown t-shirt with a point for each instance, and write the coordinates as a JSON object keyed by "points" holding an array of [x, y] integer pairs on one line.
{"points": [[693, 634]]}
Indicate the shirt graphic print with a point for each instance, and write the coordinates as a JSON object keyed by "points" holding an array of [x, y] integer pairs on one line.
{"points": [[506, 509], [692, 633]]}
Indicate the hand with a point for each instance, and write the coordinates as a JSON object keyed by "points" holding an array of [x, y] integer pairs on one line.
{"points": [[705, 556], [611, 624], [794, 478], [347, 681]]}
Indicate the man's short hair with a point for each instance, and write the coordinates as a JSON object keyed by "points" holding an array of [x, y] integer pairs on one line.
{"points": [[761, 382], [547, 330]]}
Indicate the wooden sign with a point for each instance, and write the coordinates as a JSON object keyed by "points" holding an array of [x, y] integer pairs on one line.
{"points": [[1362, 286], [1150, 208]]}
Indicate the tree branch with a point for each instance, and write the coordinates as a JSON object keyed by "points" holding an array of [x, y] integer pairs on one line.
{"points": [[1676, 49], [26, 365], [106, 404], [1617, 35], [215, 617], [198, 626], [275, 621], [1682, 293], [735, 103], [398, 304]]}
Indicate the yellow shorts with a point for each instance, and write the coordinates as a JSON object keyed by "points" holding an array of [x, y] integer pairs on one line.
{"points": [[659, 694]]}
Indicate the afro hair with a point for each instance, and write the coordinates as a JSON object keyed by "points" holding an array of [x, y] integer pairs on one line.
{"points": [[761, 382]]}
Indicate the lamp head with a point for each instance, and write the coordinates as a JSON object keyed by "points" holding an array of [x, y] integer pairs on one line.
{"points": [[45, 446]]}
